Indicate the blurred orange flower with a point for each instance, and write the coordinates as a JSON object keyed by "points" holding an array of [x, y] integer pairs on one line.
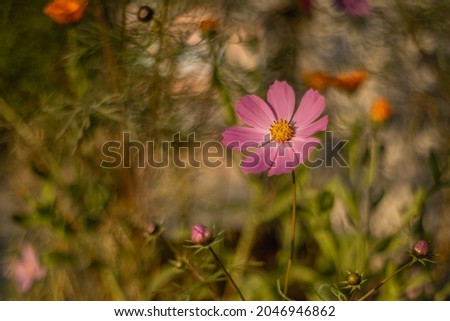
{"points": [[349, 81], [317, 80], [208, 25], [381, 110], [66, 11]]}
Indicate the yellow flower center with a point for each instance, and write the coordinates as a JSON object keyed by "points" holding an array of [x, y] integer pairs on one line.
{"points": [[281, 131]]}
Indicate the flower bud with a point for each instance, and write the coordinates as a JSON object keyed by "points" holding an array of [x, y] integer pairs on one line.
{"points": [[354, 279], [152, 228], [145, 14], [420, 249], [200, 234]]}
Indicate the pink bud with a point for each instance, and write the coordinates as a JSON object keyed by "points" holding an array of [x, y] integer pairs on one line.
{"points": [[420, 249], [200, 234]]}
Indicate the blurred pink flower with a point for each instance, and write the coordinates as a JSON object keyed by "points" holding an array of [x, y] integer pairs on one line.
{"points": [[26, 269], [278, 139], [354, 8]]}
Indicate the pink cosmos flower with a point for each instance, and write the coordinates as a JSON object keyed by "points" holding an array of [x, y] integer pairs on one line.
{"points": [[354, 8], [278, 140], [26, 269]]}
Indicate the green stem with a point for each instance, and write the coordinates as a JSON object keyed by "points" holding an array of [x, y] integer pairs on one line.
{"points": [[224, 95], [372, 172], [107, 48], [250, 228], [293, 226], [405, 266], [226, 273], [373, 159]]}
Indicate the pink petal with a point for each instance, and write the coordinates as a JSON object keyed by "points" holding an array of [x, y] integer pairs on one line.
{"points": [[281, 97], [27, 268], [255, 112], [29, 255], [311, 129], [286, 160], [258, 161], [24, 279], [39, 272], [311, 106], [304, 146], [243, 137]]}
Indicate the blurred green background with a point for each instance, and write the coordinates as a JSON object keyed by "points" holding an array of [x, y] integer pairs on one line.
{"points": [[66, 89]]}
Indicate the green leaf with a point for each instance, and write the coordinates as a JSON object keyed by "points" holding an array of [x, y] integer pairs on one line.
{"points": [[417, 207], [326, 201], [327, 244]]}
